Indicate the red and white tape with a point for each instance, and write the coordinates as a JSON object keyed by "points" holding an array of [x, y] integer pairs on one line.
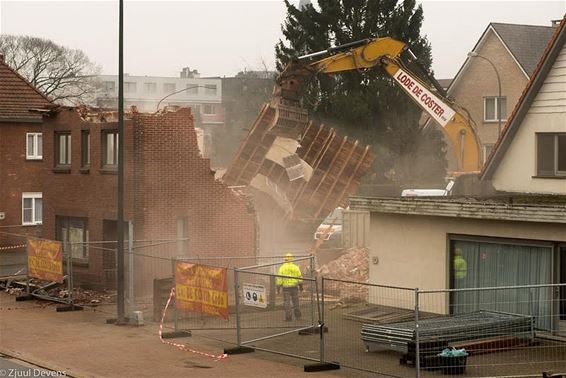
{"points": [[12, 247], [183, 346]]}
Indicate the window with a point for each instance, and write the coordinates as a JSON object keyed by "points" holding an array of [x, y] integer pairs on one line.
{"points": [[62, 149], [169, 87], [85, 148], [209, 109], [551, 154], [210, 89], [73, 232], [32, 208], [109, 86], [110, 149], [487, 148], [490, 108], [34, 146], [487, 263], [129, 87], [150, 87], [192, 88]]}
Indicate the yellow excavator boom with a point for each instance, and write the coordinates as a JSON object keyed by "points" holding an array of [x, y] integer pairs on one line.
{"points": [[386, 52]]}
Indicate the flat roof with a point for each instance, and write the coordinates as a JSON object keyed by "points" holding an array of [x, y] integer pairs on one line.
{"points": [[539, 209]]}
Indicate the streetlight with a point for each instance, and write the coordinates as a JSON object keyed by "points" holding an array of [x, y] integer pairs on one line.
{"points": [[179, 91], [473, 54]]}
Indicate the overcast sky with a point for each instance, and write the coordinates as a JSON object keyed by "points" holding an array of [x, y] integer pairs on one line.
{"points": [[220, 38]]}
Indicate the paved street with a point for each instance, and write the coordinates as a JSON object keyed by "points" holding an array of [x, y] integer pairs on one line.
{"points": [[83, 345]]}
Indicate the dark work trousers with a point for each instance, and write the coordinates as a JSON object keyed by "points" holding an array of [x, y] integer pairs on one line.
{"points": [[291, 294]]}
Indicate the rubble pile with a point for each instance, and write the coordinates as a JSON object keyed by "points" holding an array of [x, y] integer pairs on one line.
{"points": [[351, 266], [80, 296], [84, 297]]}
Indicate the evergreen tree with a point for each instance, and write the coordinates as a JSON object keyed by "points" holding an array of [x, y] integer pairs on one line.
{"points": [[366, 104]]}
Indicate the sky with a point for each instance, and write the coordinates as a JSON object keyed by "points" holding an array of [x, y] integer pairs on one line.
{"points": [[221, 38]]}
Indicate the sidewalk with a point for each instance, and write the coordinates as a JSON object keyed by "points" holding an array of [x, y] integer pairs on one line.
{"points": [[83, 345]]}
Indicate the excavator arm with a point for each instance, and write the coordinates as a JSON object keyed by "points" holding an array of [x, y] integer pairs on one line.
{"points": [[308, 169], [386, 52]]}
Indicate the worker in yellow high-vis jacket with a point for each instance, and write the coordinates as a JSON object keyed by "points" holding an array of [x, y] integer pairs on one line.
{"points": [[291, 283], [460, 265]]}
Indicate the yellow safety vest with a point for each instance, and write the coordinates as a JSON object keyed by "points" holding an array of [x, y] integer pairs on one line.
{"points": [[460, 267], [291, 270]]}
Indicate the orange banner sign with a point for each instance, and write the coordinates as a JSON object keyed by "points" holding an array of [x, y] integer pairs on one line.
{"points": [[45, 260], [201, 288]]}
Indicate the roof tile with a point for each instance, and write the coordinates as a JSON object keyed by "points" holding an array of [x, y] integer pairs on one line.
{"points": [[17, 96], [526, 42]]}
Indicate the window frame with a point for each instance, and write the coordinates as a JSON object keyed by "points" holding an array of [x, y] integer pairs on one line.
{"points": [[85, 149], [192, 89], [496, 107], [103, 161], [211, 106], [68, 149], [34, 196], [65, 222], [211, 89], [150, 87], [167, 91], [109, 86], [555, 156], [130, 87], [36, 144]]}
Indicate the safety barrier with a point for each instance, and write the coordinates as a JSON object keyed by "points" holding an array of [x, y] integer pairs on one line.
{"points": [[506, 331], [392, 331], [187, 322], [347, 306], [274, 318]]}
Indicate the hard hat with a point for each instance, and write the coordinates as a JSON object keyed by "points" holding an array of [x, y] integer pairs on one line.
{"points": [[289, 256]]}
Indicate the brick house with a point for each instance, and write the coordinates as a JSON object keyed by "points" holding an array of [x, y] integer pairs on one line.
{"points": [[170, 192], [514, 50], [21, 157]]}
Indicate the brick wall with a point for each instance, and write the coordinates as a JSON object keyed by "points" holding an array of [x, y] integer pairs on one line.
{"points": [[85, 193], [17, 175], [173, 181], [479, 80], [165, 180]]}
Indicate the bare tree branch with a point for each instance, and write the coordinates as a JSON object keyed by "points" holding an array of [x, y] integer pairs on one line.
{"points": [[65, 75]]}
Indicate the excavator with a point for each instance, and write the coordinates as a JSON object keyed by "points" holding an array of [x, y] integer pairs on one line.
{"points": [[309, 171], [386, 52]]}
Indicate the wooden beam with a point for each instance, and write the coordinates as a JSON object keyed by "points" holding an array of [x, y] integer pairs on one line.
{"points": [[329, 138], [338, 176]]}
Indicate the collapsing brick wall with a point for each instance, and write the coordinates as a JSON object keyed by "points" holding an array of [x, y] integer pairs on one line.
{"points": [[176, 193]]}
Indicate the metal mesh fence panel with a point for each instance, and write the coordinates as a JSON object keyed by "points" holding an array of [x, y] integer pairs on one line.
{"points": [[213, 327], [351, 311], [506, 331], [282, 321]]}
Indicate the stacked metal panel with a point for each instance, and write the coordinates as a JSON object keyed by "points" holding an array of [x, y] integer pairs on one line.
{"points": [[470, 326]]}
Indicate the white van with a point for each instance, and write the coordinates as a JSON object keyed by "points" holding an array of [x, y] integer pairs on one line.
{"points": [[429, 192]]}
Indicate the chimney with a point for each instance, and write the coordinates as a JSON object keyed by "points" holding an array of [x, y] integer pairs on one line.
{"points": [[555, 23], [187, 73], [1, 58]]}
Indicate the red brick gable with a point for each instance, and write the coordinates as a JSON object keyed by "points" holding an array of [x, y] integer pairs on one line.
{"points": [[17, 96]]}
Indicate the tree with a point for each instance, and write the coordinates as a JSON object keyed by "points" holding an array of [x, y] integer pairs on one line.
{"points": [[65, 75], [367, 103]]}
